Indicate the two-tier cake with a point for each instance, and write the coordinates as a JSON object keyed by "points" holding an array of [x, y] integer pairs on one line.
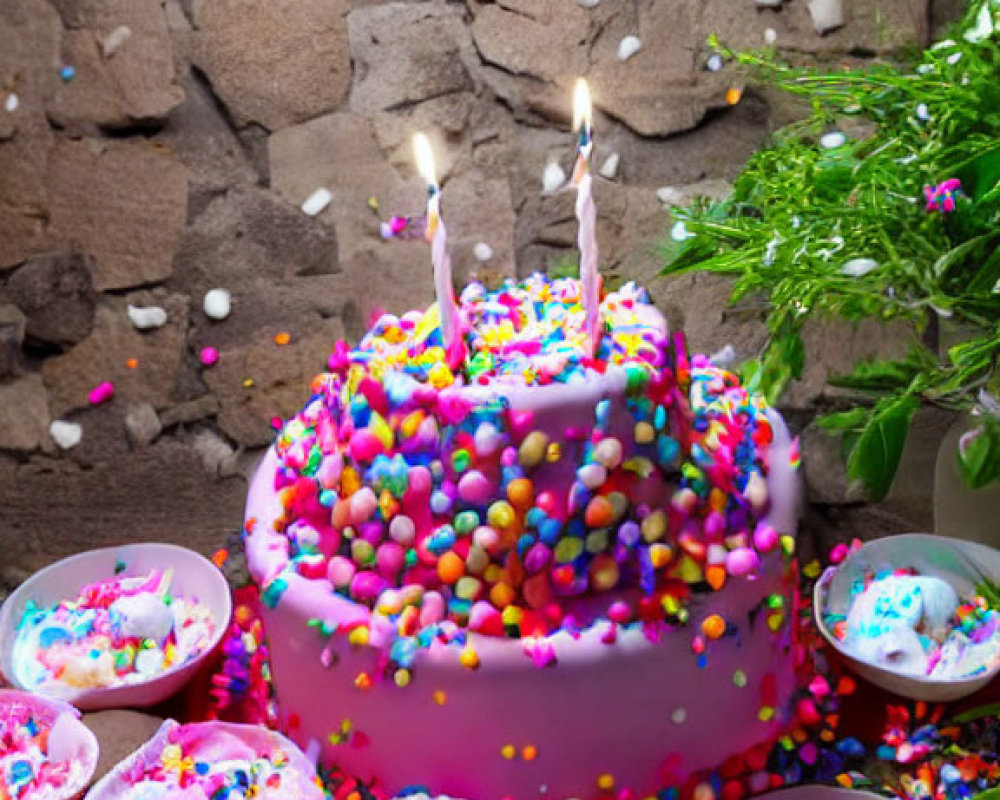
{"points": [[513, 569]]}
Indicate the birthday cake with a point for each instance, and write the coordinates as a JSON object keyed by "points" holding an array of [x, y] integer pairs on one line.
{"points": [[520, 566]]}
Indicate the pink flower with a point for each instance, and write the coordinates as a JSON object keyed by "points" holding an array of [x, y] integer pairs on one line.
{"points": [[942, 197]]}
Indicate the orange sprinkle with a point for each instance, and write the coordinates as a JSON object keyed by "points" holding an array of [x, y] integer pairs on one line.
{"points": [[733, 95], [363, 681], [450, 567], [714, 626], [282, 338], [219, 557], [132, 363], [715, 575], [846, 685], [529, 752], [440, 697]]}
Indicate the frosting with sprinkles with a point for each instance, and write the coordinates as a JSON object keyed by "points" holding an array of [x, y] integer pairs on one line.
{"points": [[515, 487], [118, 631]]}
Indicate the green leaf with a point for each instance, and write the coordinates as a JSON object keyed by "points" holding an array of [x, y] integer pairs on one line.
{"points": [[989, 794], [876, 376], [875, 456], [979, 461], [989, 710], [844, 420]]}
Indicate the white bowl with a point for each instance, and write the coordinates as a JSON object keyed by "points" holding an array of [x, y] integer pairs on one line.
{"points": [[69, 739], [960, 563], [819, 793], [193, 576]]}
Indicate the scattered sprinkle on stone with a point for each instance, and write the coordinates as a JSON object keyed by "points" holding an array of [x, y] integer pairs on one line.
{"points": [[217, 303], [628, 47], [208, 356], [482, 251], [132, 363], [832, 140], [11, 103], [714, 63], [552, 178], [282, 338], [733, 95], [67, 73], [114, 40], [101, 393], [858, 267], [316, 202], [148, 317], [609, 169], [770, 36], [589, 3], [248, 383], [65, 434], [768, 3]]}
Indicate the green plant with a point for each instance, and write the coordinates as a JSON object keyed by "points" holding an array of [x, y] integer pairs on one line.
{"points": [[874, 226]]}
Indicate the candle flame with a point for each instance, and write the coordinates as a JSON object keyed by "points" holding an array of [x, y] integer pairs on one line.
{"points": [[582, 111], [424, 155]]}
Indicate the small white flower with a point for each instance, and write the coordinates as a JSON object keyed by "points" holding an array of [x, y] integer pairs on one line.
{"points": [[832, 140], [796, 222], [770, 251], [923, 113], [858, 267], [954, 58], [679, 232]]}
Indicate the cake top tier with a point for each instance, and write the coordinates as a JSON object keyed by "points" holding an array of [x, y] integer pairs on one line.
{"points": [[523, 334], [517, 486]]}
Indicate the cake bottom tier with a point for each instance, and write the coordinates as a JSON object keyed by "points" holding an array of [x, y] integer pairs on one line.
{"points": [[646, 713]]}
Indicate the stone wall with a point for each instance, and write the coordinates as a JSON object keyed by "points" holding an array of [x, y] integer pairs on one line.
{"points": [[151, 151]]}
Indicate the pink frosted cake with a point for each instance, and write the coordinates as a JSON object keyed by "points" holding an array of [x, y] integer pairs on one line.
{"points": [[512, 570]]}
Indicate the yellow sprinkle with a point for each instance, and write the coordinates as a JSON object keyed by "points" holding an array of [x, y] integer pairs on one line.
{"points": [[766, 714], [359, 636], [440, 697], [606, 781], [469, 658], [402, 677], [811, 570], [508, 751], [247, 383]]}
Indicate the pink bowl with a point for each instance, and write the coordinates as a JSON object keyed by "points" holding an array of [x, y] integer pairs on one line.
{"points": [[69, 739], [211, 741], [194, 576]]}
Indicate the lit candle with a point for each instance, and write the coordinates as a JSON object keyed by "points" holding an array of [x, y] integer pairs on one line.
{"points": [[437, 237], [586, 215]]}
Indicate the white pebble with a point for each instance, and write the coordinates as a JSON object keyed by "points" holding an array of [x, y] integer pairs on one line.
{"points": [[11, 103], [114, 40], [609, 169], [316, 202], [628, 47], [714, 62], [552, 178], [827, 15], [770, 36], [857, 267], [65, 434], [147, 318], [217, 303], [832, 140], [482, 251], [670, 196]]}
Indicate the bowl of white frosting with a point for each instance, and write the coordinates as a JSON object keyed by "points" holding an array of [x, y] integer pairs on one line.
{"points": [[915, 614], [116, 627]]}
